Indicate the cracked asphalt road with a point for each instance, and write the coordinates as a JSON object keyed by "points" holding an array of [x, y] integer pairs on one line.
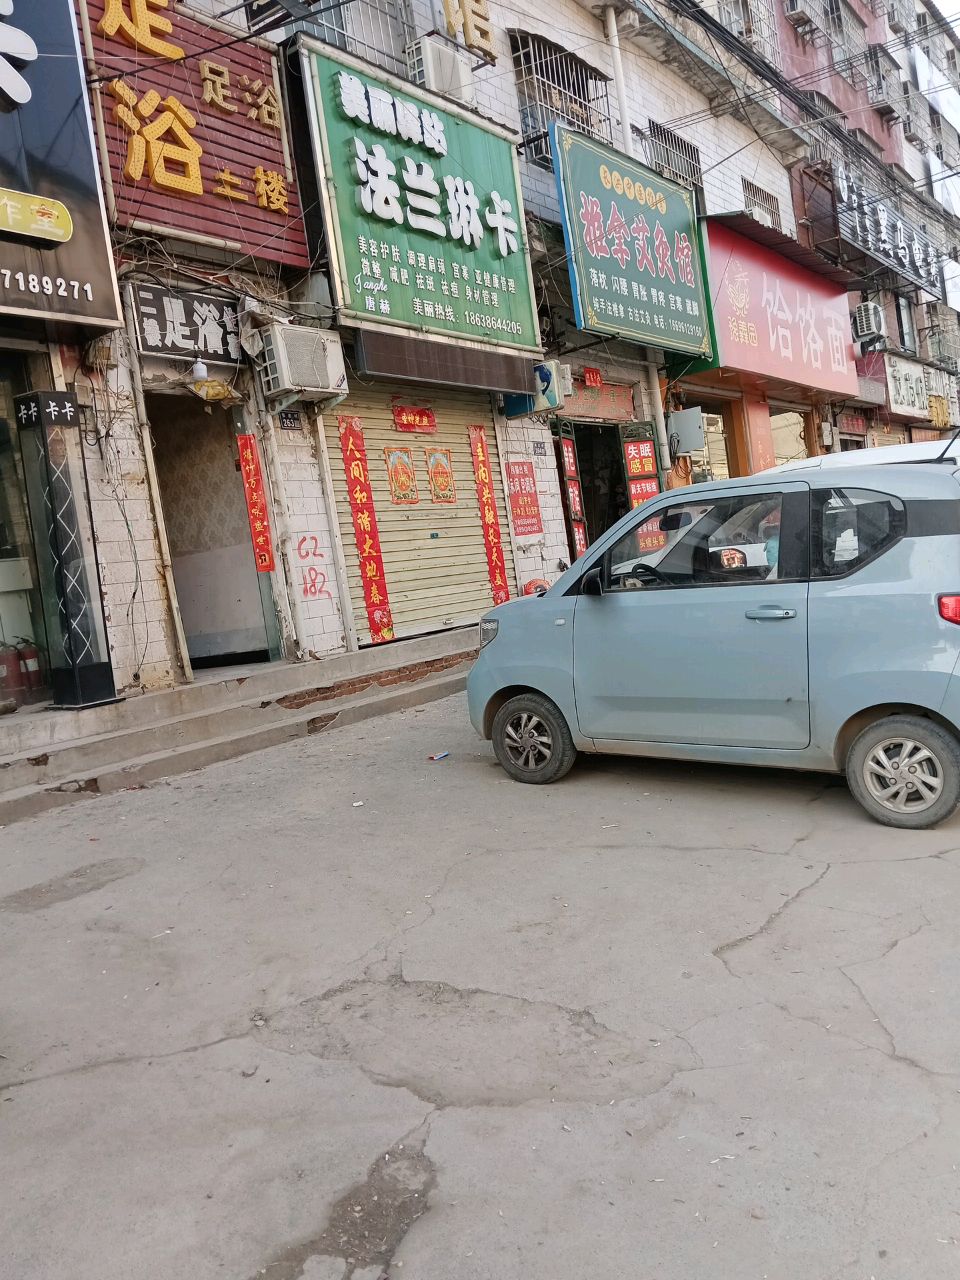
{"points": [[658, 1021]]}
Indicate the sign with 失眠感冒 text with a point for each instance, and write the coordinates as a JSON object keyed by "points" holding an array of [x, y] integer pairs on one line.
{"points": [[422, 207], [194, 129], [633, 247]]}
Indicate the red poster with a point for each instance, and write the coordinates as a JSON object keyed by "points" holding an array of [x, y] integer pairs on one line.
{"points": [[776, 318], [650, 537], [365, 529], [569, 458], [642, 491], [409, 418], [524, 502], [443, 488], [639, 458], [579, 537], [256, 503], [592, 377], [401, 476], [194, 130], [575, 498], [488, 515]]}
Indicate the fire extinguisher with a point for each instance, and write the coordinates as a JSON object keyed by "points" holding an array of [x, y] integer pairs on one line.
{"points": [[29, 664], [11, 679]]}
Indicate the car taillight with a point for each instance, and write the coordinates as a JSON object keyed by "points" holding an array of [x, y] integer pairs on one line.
{"points": [[949, 607]]}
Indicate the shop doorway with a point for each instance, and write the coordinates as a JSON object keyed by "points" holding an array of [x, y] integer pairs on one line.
{"points": [[226, 605], [602, 475], [24, 652]]}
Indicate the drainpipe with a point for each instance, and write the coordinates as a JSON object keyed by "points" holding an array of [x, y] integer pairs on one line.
{"points": [[613, 41], [153, 484], [663, 442]]}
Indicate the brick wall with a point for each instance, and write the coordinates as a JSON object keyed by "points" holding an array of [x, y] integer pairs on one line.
{"points": [[310, 555], [139, 626], [537, 557]]}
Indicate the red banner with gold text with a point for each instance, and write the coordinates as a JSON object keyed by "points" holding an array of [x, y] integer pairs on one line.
{"points": [[256, 503], [365, 529], [488, 515]]}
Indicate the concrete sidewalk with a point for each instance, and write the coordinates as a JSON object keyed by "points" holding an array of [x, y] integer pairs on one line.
{"points": [[335, 1010]]}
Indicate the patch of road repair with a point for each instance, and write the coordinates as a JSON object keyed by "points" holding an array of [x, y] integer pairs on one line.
{"points": [[88, 879]]}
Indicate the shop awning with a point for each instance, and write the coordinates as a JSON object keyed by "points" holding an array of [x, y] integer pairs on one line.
{"points": [[748, 227]]}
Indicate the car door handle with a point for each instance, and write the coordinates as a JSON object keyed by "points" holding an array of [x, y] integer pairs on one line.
{"points": [[770, 613]]}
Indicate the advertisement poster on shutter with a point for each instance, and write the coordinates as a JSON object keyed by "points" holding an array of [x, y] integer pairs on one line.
{"points": [[524, 502], [489, 518], [443, 489], [401, 477], [365, 529]]}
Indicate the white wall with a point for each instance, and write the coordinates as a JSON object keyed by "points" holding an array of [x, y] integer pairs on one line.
{"points": [[537, 557]]}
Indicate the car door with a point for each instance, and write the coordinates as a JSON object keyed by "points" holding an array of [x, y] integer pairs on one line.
{"points": [[700, 633]]}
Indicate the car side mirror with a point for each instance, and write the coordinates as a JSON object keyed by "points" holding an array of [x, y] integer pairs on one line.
{"points": [[591, 584]]}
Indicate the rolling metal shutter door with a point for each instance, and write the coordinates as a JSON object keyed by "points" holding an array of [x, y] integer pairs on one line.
{"points": [[434, 556]]}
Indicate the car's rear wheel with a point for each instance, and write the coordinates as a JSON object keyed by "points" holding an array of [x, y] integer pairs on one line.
{"points": [[905, 771], [531, 739]]}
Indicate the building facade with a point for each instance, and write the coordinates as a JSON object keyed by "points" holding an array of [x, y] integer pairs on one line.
{"points": [[401, 304]]}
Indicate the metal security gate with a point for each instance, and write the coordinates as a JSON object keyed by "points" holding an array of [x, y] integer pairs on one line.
{"points": [[426, 529]]}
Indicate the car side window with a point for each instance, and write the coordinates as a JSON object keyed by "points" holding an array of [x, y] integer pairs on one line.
{"points": [[717, 541], [850, 527]]}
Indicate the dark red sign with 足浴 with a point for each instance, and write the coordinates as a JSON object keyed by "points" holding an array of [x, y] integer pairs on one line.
{"points": [[256, 503], [365, 529], [489, 518], [194, 130], [408, 417], [524, 502]]}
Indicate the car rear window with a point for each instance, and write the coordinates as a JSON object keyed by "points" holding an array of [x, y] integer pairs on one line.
{"points": [[850, 527]]}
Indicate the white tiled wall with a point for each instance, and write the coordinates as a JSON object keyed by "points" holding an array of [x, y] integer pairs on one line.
{"points": [[540, 556]]}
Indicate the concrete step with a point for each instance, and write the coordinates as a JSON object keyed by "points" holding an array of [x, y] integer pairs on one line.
{"points": [[32, 732], [83, 757], [139, 771]]}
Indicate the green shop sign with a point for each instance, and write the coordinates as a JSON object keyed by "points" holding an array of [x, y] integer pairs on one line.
{"points": [[422, 207], [633, 247]]}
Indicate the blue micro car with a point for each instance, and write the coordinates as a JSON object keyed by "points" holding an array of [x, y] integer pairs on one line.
{"points": [[807, 618]]}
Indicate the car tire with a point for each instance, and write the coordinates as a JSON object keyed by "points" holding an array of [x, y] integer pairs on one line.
{"points": [[532, 741], [905, 771]]}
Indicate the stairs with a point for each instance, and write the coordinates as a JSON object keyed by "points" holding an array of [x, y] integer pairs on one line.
{"points": [[52, 758]]}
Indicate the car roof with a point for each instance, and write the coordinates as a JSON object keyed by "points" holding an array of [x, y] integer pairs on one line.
{"points": [[885, 455]]}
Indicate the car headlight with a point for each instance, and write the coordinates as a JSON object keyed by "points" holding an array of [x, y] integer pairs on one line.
{"points": [[488, 629]]}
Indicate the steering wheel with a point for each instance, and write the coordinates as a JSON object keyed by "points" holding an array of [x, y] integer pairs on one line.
{"points": [[641, 569]]}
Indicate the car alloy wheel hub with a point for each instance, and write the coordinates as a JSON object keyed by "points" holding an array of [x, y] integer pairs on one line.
{"points": [[528, 740], [903, 775]]}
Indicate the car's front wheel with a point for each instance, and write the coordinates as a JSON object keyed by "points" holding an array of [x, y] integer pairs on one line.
{"points": [[905, 771], [531, 739]]}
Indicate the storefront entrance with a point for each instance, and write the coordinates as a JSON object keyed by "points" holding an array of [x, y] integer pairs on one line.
{"points": [[24, 664], [226, 605]]}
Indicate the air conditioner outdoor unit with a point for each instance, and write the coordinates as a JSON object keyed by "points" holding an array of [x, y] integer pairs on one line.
{"points": [[438, 66], [913, 130], [763, 216], [799, 13], [303, 363], [868, 322]]}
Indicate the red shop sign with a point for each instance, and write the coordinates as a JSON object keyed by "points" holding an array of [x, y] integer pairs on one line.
{"points": [[365, 529], [256, 503], [639, 458], [524, 502], [592, 377], [778, 319], [489, 518], [194, 129], [410, 418], [642, 491]]}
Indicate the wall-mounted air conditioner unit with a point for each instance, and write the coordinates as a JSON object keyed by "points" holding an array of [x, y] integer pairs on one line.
{"points": [[763, 216], [868, 322], [799, 13], [302, 363], [437, 65]]}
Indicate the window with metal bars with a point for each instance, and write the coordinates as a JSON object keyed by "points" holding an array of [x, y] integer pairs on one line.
{"points": [[554, 85], [378, 30], [673, 157], [755, 198]]}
